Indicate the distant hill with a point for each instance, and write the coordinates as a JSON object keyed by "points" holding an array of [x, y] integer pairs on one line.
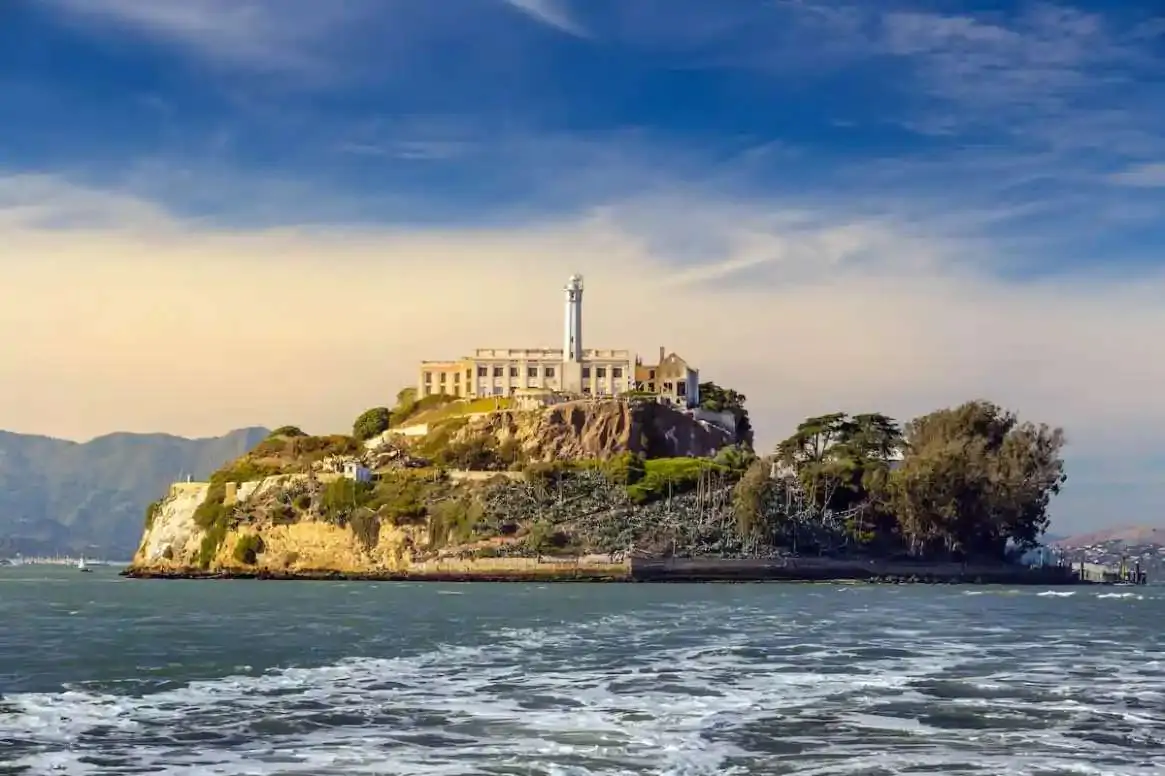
{"points": [[1130, 534], [69, 497]]}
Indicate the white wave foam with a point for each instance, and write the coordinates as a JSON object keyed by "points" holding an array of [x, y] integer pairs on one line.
{"points": [[685, 690]]}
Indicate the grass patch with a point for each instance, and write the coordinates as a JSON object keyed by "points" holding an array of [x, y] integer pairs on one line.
{"points": [[452, 408], [286, 454], [408, 412], [669, 476]]}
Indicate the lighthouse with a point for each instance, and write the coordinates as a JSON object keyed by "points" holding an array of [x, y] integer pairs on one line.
{"points": [[572, 350], [572, 332]]}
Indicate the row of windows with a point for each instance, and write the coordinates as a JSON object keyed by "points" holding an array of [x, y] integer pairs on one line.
{"points": [[601, 372], [500, 371], [533, 371]]}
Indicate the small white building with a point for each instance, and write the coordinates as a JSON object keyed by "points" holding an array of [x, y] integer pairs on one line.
{"points": [[354, 470]]}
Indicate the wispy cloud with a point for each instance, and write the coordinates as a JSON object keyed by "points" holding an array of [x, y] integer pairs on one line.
{"points": [[1151, 175], [554, 13], [276, 37]]}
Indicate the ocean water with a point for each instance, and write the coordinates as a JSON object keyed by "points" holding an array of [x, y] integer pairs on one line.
{"points": [[100, 675]]}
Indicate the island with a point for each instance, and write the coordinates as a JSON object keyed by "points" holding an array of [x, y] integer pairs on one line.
{"points": [[574, 464]]}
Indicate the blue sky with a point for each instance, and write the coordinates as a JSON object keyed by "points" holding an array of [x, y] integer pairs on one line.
{"points": [[1002, 162]]}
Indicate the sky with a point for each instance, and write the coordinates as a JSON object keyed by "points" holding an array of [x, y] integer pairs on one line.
{"points": [[222, 213]]}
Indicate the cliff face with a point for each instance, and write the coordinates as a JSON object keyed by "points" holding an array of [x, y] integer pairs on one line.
{"points": [[599, 429]]}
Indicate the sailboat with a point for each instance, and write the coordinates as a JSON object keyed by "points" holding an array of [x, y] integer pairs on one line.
{"points": [[82, 567]]}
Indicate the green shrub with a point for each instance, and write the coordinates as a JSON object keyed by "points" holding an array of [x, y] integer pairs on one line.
{"points": [[454, 521], [402, 497], [342, 497], [544, 538], [366, 526], [547, 473], [247, 549], [625, 468], [371, 423], [287, 431], [152, 512]]}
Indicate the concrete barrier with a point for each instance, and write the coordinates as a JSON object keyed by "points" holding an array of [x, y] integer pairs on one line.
{"points": [[832, 569]]}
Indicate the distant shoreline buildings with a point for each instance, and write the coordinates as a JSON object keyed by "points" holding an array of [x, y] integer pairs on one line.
{"points": [[572, 369]]}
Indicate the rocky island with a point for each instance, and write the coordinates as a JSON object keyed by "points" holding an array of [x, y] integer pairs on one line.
{"points": [[621, 488]]}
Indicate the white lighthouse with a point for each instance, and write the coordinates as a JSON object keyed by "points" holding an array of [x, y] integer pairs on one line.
{"points": [[572, 333], [572, 350]]}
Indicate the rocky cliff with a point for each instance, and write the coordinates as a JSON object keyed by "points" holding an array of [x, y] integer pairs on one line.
{"points": [[508, 494], [599, 429]]}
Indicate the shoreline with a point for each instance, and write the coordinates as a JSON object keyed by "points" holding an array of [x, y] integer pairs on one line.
{"points": [[1002, 576]]}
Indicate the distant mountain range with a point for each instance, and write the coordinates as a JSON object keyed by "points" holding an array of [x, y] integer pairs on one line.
{"points": [[58, 496], [1138, 535]]}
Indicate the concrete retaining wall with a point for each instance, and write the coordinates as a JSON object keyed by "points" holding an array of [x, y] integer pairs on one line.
{"points": [[828, 569]]}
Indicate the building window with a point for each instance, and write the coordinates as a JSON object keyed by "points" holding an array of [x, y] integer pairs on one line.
{"points": [[586, 372], [498, 390], [600, 372], [428, 378], [428, 390], [457, 377], [513, 371], [650, 374], [550, 371], [667, 387], [651, 387], [616, 372], [482, 371], [468, 375], [498, 371], [681, 389], [441, 378], [532, 372]]}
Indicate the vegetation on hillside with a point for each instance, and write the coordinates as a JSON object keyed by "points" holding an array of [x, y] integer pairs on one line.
{"points": [[960, 483]]}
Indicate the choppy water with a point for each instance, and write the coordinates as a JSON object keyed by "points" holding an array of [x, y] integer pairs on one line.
{"points": [[101, 675]]}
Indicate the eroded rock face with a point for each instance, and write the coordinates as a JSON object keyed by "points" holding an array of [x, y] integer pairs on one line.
{"points": [[601, 429]]}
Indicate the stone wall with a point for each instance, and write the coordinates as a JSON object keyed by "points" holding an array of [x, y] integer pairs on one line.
{"points": [[831, 569]]}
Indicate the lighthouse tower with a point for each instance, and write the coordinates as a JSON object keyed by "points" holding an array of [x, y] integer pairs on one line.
{"points": [[572, 351]]}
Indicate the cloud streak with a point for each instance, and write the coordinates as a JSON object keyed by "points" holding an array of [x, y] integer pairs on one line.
{"points": [[553, 13]]}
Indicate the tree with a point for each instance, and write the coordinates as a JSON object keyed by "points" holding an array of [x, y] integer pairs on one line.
{"points": [[975, 477], [371, 423], [406, 404], [841, 461], [716, 399], [287, 431], [735, 458]]}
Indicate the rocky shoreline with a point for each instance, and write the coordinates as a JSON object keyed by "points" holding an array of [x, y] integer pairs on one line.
{"points": [[1002, 576]]}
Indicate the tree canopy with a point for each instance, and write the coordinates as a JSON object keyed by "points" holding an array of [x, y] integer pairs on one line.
{"points": [[371, 422], [961, 482], [717, 399]]}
